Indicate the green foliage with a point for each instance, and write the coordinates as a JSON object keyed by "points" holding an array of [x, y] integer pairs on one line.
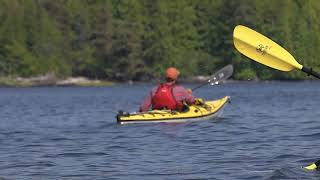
{"points": [[139, 39], [246, 74]]}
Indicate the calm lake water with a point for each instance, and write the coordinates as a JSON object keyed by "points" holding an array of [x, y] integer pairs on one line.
{"points": [[268, 131]]}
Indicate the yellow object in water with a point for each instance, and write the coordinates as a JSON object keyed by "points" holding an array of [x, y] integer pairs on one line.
{"points": [[313, 166], [207, 110]]}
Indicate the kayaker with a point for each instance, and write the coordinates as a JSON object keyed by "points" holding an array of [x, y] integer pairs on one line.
{"points": [[168, 95]]}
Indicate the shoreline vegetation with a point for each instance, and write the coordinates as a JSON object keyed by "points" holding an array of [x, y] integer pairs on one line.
{"points": [[50, 80]]}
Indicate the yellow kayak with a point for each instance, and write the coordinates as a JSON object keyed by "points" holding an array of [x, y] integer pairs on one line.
{"points": [[207, 110]]}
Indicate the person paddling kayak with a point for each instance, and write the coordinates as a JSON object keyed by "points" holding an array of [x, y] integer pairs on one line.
{"points": [[169, 95]]}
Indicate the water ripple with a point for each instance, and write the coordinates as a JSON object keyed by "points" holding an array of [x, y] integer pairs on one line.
{"points": [[71, 133]]}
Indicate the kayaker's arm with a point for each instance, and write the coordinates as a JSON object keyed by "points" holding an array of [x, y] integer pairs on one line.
{"points": [[145, 106], [147, 103], [183, 95]]}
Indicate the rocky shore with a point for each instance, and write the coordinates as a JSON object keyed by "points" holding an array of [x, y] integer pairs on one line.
{"points": [[50, 80]]}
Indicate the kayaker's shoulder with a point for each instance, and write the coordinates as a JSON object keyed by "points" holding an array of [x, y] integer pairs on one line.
{"points": [[178, 86]]}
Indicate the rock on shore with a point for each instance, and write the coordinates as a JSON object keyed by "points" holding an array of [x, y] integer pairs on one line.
{"points": [[50, 80]]}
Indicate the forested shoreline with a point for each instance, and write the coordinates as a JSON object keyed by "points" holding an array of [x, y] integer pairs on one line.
{"points": [[121, 40]]}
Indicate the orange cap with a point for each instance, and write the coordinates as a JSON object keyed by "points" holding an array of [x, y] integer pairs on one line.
{"points": [[172, 73]]}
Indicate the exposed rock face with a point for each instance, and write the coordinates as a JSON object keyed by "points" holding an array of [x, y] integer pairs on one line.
{"points": [[48, 79], [51, 80], [76, 81]]}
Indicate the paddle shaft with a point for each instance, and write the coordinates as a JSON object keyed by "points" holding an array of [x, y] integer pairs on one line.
{"points": [[201, 85], [218, 77], [309, 71]]}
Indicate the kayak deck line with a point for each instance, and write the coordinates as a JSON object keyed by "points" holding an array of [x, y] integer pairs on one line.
{"points": [[209, 110]]}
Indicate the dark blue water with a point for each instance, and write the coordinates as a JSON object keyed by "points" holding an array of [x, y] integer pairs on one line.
{"points": [[268, 131]]}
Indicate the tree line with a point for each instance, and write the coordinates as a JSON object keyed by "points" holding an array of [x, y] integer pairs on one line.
{"points": [[139, 39]]}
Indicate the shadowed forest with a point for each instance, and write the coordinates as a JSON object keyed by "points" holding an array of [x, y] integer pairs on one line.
{"points": [[138, 39]]}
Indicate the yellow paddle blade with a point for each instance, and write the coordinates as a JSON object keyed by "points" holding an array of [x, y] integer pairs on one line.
{"points": [[311, 167], [263, 50]]}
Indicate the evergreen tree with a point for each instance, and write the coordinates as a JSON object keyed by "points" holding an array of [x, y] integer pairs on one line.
{"points": [[138, 40]]}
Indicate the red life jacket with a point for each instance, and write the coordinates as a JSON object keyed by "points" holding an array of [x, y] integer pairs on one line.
{"points": [[164, 98]]}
